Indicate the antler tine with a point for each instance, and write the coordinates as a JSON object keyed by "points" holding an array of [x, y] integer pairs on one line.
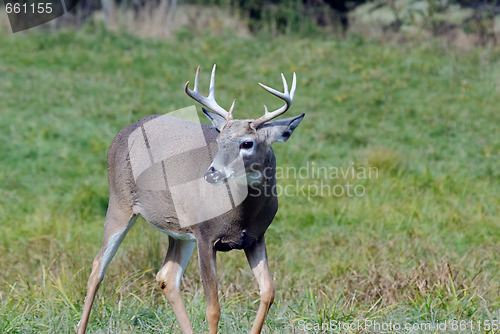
{"points": [[287, 96], [294, 86], [211, 89], [231, 110], [208, 101], [196, 80]]}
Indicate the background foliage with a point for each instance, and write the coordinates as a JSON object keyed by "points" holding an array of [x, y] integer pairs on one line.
{"points": [[481, 17]]}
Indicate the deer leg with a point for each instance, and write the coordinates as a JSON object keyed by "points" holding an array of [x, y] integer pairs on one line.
{"points": [[116, 226], [257, 258], [208, 270], [169, 278]]}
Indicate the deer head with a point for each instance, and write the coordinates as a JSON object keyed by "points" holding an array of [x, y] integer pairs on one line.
{"points": [[247, 140]]}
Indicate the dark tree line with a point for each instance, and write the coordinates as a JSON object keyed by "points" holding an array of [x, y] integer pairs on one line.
{"points": [[283, 16]]}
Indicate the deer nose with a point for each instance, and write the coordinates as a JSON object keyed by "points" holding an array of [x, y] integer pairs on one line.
{"points": [[213, 176]]}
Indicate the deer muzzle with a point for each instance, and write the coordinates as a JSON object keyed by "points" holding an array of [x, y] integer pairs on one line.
{"points": [[214, 176]]}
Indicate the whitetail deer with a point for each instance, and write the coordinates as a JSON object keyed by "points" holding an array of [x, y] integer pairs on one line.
{"points": [[152, 193]]}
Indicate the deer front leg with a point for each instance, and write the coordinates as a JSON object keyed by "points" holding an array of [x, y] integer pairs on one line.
{"points": [[170, 275], [257, 258], [208, 271]]}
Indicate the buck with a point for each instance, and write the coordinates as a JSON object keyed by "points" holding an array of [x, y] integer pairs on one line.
{"points": [[215, 194]]}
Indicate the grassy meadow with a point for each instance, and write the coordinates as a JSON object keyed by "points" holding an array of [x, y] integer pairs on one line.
{"points": [[421, 244]]}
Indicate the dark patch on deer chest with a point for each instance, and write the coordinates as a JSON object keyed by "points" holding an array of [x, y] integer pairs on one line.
{"points": [[243, 241]]}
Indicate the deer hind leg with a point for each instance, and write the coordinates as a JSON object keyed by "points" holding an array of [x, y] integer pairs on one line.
{"points": [[257, 258], [118, 223], [169, 278]]}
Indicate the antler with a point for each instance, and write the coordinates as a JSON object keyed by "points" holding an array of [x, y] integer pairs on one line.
{"points": [[287, 96], [208, 101]]}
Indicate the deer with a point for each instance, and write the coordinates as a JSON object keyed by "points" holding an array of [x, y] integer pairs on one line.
{"points": [[233, 169]]}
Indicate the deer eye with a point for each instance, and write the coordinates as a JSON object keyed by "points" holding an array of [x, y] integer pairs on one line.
{"points": [[246, 145]]}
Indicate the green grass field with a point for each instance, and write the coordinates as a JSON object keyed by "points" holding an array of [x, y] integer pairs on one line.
{"points": [[421, 246]]}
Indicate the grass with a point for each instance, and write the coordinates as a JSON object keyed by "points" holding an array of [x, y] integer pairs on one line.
{"points": [[421, 246]]}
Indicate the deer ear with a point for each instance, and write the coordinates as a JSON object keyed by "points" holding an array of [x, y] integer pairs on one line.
{"points": [[217, 120], [282, 129]]}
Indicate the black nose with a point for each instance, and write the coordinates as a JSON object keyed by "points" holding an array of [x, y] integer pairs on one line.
{"points": [[213, 176]]}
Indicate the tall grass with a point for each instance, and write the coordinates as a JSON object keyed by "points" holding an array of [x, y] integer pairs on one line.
{"points": [[421, 245]]}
